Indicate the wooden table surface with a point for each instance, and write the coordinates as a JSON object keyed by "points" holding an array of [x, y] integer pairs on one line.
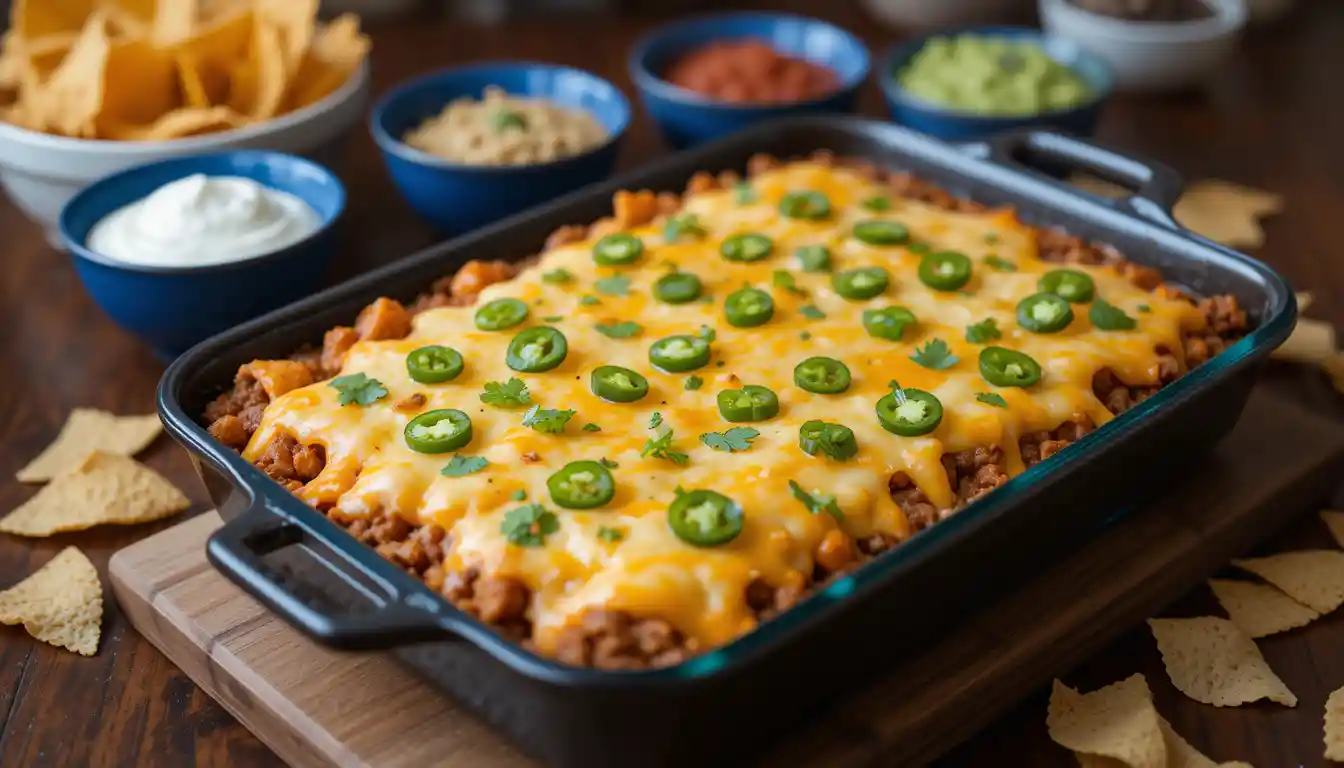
{"points": [[1272, 119]]}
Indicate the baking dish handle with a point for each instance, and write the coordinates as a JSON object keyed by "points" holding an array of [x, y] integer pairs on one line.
{"points": [[1155, 187], [363, 616]]}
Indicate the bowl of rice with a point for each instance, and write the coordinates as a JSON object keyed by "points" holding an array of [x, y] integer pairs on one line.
{"points": [[467, 146]]}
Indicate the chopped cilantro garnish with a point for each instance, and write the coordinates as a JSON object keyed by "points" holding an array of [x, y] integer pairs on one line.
{"points": [[547, 420], [589, 301], [519, 495], [805, 336], [622, 330], [732, 441], [502, 120], [812, 313], [935, 355], [1109, 317], [816, 504], [1145, 308], [991, 237], [560, 275], [591, 428], [784, 279], [608, 463], [744, 193], [989, 398], [610, 535], [461, 465], [984, 331], [1002, 265], [357, 388], [655, 420], [616, 285], [552, 319], [878, 203], [707, 333], [694, 382], [661, 448], [510, 394], [683, 224], [529, 525]]}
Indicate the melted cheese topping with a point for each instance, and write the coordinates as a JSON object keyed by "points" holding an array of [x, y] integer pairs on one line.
{"points": [[650, 572]]}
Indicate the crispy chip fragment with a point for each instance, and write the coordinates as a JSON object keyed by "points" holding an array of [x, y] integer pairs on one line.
{"points": [[337, 51], [106, 488], [1312, 341], [1258, 609], [1334, 726], [1213, 661], [87, 430], [1304, 300], [1334, 366], [60, 604], [1117, 722], [1335, 522], [1312, 577], [176, 124], [1226, 212]]}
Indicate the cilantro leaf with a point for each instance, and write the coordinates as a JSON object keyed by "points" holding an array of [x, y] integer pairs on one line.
{"points": [[878, 203], [919, 248], [560, 275], [745, 194], [661, 448], [784, 279], [814, 504], [991, 237], [608, 463], [1108, 317], [589, 301], [732, 441], [622, 330], [547, 420], [502, 120], [655, 420], [357, 388], [510, 394], [529, 525], [610, 535], [707, 333], [990, 398], [616, 285], [983, 331], [1144, 308], [591, 428], [935, 355], [694, 382], [519, 495], [812, 313], [683, 224], [897, 392], [552, 319], [461, 465], [805, 336], [1002, 265]]}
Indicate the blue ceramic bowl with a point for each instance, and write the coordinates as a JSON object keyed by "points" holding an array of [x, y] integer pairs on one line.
{"points": [[456, 197], [954, 125], [685, 117], [173, 308]]}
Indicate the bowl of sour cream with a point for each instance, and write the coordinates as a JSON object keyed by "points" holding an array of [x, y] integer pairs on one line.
{"points": [[179, 250]]}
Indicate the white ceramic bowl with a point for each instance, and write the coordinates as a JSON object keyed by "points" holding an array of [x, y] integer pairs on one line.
{"points": [[931, 14], [1152, 56], [41, 172]]}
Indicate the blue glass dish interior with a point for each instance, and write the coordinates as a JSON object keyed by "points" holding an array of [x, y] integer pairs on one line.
{"points": [[953, 125], [457, 197], [685, 117], [173, 308]]}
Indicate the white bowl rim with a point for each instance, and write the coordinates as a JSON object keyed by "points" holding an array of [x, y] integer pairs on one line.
{"points": [[1228, 17], [358, 81]]}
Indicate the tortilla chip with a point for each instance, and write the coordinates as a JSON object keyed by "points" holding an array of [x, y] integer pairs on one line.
{"points": [[177, 124], [1117, 722], [1304, 300], [140, 85], [38, 18], [216, 51], [1335, 522], [1312, 341], [105, 489], [87, 430], [1313, 577], [61, 604], [1226, 212], [73, 95], [194, 94], [1334, 366], [1213, 661], [338, 50], [257, 87], [173, 21], [296, 21], [1334, 726], [1180, 754], [12, 62], [1260, 610]]}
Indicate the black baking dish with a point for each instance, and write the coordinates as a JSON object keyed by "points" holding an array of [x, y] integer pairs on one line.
{"points": [[720, 706]]}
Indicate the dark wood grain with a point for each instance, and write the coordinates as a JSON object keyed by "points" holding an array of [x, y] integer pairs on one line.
{"points": [[1271, 119]]}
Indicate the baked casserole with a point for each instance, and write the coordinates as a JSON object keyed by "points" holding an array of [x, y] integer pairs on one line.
{"points": [[675, 422]]}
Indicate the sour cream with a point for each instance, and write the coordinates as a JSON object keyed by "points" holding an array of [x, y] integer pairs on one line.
{"points": [[201, 220]]}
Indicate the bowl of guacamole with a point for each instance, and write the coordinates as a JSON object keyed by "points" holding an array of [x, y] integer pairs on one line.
{"points": [[973, 83]]}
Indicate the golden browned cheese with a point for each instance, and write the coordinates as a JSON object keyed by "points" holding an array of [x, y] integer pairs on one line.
{"points": [[651, 572]]}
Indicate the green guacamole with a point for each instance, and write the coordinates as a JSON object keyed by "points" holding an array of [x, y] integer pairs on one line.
{"points": [[991, 76]]}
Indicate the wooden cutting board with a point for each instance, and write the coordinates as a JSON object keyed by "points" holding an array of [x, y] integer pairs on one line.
{"points": [[316, 707]]}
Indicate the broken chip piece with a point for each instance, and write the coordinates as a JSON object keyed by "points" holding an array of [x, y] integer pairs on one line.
{"points": [[1334, 726], [1117, 722], [1213, 661], [87, 430], [1258, 609], [60, 604], [105, 488], [1313, 577], [1335, 522]]}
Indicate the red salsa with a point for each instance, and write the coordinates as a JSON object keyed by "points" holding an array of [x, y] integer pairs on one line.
{"points": [[750, 71]]}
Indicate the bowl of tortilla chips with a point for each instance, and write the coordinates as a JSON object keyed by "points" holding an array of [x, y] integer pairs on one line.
{"points": [[92, 87]]}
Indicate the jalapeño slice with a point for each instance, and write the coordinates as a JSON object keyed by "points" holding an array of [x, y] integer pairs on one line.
{"points": [[945, 270], [887, 323], [881, 232], [747, 246], [918, 415], [618, 385], [677, 288], [677, 354], [615, 250], [581, 485], [861, 283], [440, 431], [536, 349], [1070, 285], [810, 205], [434, 364], [750, 403], [822, 376], [501, 314], [748, 308], [1044, 313], [705, 518], [827, 439], [1004, 367]]}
